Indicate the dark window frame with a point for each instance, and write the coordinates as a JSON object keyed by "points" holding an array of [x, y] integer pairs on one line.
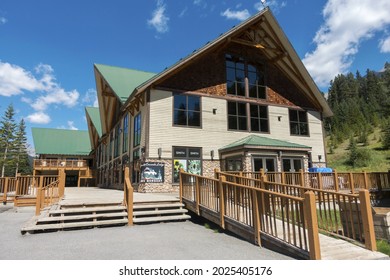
{"points": [[298, 123], [137, 127], [186, 111], [248, 118]]}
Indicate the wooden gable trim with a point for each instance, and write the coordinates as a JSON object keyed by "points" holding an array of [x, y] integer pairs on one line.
{"points": [[135, 104]]}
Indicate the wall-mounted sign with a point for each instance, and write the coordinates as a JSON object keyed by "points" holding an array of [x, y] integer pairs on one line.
{"points": [[187, 158], [152, 172]]}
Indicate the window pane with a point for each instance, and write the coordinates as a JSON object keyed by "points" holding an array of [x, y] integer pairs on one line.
{"points": [[252, 78], [254, 111], [303, 129], [270, 164], [252, 91], [230, 74], [241, 109], [302, 116], [286, 165], [232, 108], [180, 117], [294, 128], [264, 125], [193, 118], [180, 102], [232, 122], [231, 87], [263, 112], [240, 65], [193, 103], [242, 123], [241, 88], [293, 115], [255, 124]]}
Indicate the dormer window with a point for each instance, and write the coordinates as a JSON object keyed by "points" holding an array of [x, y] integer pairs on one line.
{"points": [[244, 78]]}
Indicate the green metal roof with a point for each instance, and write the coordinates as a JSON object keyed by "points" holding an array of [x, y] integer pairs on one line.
{"points": [[61, 141], [263, 142], [122, 80], [94, 114]]}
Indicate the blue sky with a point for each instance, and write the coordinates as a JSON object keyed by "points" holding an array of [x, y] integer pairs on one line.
{"points": [[47, 48]]}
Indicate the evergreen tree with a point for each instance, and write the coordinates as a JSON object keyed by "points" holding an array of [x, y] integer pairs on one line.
{"points": [[21, 156], [7, 136]]}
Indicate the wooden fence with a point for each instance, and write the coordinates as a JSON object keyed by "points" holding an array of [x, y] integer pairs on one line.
{"points": [[39, 191], [257, 209]]}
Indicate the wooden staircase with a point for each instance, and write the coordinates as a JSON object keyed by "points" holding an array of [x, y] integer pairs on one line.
{"points": [[83, 216], [92, 215], [159, 211]]}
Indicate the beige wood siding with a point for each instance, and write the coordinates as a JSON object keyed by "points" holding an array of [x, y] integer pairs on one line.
{"points": [[214, 133]]}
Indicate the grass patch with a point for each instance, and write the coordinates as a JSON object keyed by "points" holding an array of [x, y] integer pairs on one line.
{"points": [[383, 246]]}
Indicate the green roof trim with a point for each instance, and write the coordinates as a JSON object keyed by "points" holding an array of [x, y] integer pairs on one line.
{"points": [[94, 114], [61, 141], [122, 80], [264, 142]]}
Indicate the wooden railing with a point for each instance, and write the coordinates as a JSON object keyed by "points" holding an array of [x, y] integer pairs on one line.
{"points": [[58, 163], [255, 211], [290, 213], [338, 181], [128, 199], [338, 213], [50, 190]]}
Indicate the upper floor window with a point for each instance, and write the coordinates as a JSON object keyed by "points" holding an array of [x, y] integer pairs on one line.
{"points": [[117, 140], [137, 130], [238, 71], [298, 122], [186, 110], [238, 117], [125, 140]]}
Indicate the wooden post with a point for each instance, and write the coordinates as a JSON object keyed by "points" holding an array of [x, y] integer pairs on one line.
{"points": [[17, 187], [368, 223], [302, 175], [129, 197], [351, 183], [256, 218], [6, 182], [216, 173], [38, 203], [197, 194], [336, 180], [222, 180], [61, 186], [319, 176], [366, 185], [181, 185], [283, 177], [312, 225]]}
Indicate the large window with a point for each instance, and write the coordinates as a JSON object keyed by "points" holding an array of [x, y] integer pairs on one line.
{"points": [[238, 71], [187, 158], [298, 122], [137, 130], [186, 111], [238, 117], [125, 141], [117, 140]]}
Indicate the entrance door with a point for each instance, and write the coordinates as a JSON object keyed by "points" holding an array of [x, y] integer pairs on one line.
{"points": [[265, 163], [291, 166]]}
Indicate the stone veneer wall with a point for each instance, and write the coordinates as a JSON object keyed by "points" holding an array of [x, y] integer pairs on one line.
{"points": [[168, 187]]}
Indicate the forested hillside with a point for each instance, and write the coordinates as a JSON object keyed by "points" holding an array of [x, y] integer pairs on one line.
{"points": [[361, 121]]}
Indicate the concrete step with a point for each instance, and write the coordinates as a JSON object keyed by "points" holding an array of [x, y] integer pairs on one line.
{"points": [[149, 205], [159, 212], [87, 210], [77, 225], [161, 219], [57, 219], [75, 204]]}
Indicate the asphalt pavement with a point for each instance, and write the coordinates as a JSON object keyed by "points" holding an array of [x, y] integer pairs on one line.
{"points": [[190, 240]]}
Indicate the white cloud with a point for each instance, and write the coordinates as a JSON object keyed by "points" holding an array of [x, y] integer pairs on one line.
{"points": [[159, 19], [14, 80], [200, 3], [3, 20], [38, 118], [90, 98], [71, 125], [239, 15], [384, 45], [275, 5], [347, 24], [56, 96]]}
